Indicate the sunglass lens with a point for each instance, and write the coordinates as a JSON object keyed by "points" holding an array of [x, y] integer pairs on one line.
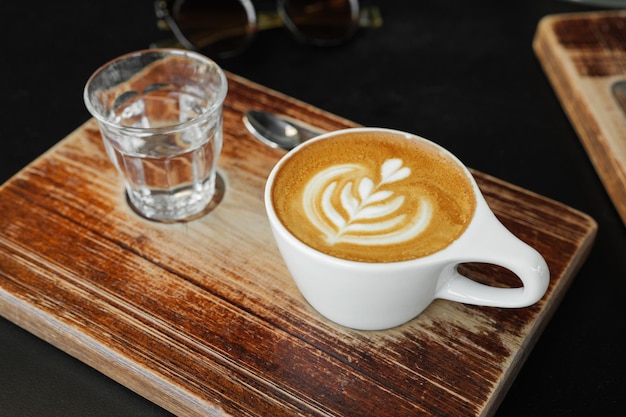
{"points": [[321, 21], [216, 27]]}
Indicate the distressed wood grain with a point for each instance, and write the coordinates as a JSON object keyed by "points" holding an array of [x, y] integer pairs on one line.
{"points": [[584, 57], [203, 318]]}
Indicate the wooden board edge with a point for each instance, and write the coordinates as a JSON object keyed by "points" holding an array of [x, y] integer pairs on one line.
{"points": [[299, 104], [585, 125], [589, 221], [100, 357], [508, 377]]}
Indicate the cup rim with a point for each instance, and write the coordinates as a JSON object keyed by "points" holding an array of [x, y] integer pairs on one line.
{"points": [[433, 257], [219, 99]]}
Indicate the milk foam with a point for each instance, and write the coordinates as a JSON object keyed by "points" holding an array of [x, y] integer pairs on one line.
{"points": [[373, 196], [362, 212]]}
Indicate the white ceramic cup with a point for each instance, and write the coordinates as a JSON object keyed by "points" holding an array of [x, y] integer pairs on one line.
{"points": [[376, 296]]}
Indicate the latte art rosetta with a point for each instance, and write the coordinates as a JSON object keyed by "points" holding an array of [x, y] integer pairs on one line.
{"points": [[373, 196], [362, 212]]}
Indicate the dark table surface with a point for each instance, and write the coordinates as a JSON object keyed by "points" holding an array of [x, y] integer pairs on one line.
{"points": [[461, 73]]}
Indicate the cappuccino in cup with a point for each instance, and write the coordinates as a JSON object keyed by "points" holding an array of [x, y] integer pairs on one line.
{"points": [[372, 224], [373, 197]]}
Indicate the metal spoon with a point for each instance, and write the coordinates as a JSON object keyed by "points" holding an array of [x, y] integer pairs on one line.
{"points": [[277, 131]]}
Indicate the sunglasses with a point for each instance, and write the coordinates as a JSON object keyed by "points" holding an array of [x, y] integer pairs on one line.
{"points": [[224, 28]]}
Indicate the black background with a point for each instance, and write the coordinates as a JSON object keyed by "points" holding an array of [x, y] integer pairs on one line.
{"points": [[461, 73]]}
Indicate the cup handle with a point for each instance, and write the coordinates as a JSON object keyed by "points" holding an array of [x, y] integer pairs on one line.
{"points": [[493, 243]]}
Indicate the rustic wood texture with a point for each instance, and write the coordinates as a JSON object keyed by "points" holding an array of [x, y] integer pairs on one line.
{"points": [[203, 317], [584, 56]]}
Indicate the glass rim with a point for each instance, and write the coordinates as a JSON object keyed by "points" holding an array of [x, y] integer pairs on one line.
{"points": [[163, 52]]}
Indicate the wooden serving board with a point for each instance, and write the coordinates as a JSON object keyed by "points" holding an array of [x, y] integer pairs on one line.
{"points": [[203, 318], [584, 56]]}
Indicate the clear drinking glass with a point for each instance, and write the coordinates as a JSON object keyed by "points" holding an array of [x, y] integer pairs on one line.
{"points": [[160, 116]]}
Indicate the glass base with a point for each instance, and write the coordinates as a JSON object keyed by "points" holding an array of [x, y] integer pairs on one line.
{"points": [[184, 214]]}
